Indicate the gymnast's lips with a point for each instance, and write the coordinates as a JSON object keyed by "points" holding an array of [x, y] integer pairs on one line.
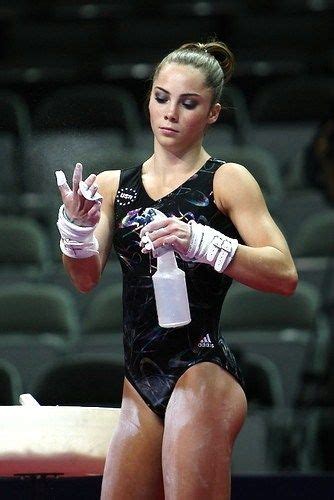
{"points": [[169, 130]]}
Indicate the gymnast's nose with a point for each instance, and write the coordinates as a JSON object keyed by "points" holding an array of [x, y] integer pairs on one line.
{"points": [[172, 114]]}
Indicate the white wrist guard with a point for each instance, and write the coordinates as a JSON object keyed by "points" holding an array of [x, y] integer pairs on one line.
{"points": [[76, 241], [210, 247]]}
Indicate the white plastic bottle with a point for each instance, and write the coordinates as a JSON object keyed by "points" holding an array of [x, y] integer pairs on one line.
{"points": [[170, 291]]}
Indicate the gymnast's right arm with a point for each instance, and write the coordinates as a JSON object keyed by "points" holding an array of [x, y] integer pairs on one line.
{"points": [[85, 223]]}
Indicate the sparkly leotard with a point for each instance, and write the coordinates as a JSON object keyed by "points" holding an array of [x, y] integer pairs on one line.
{"points": [[156, 357]]}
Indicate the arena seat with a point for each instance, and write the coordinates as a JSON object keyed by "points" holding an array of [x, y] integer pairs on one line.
{"points": [[80, 380], [260, 162], [291, 331], [10, 383], [315, 235], [38, 322], [304, 98], [24, 251], [102, 328], [295, 207], [15, 129], [89, 107]]}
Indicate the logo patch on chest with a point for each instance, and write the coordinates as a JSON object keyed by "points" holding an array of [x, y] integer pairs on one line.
{"points": [[126, 195]]}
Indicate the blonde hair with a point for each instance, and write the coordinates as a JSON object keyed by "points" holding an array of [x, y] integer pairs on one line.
{"points": [[214, 59]]}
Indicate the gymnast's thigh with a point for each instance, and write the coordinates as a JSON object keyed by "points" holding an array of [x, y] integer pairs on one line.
{"points": [[133, 465], [203, 417], [208, 392]]}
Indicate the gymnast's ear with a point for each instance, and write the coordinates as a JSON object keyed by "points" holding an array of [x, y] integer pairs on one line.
{"points": [[214, 113]]}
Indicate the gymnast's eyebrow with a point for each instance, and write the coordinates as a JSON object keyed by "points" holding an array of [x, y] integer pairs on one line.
{"points": [[187, 94]]}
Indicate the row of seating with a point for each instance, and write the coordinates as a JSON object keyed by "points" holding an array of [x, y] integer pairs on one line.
{"points": [[30, 252], [284, 441], [88, 105], [305, 219], [102, 126], [43, 321], [96, 379], [272, 439], [82, 31], [98, 8]]}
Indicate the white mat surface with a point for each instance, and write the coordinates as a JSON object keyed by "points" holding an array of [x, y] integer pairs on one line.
{"points": [[70, 441]]}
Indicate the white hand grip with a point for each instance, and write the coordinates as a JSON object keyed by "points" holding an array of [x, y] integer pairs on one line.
{"points": [[86, 193]]}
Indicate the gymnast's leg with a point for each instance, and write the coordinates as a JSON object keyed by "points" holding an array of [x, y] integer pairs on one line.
{"points": [[204, 415], [133, 465]]}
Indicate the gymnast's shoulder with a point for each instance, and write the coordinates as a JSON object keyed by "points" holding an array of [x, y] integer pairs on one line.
{"points": [[233, 183], [108, 182]]}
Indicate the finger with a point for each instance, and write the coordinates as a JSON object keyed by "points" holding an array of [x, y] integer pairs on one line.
{"points": [[93, 189], [158, 252], [90, 194], [60, 178], [147, 243], [167, 242], [94, 210], [153, 226], [155, 235], [62, 182], [90, 180], [77, 177], [162, 246], [172, 241]]}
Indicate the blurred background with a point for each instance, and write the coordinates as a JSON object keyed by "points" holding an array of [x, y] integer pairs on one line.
{"points": [[74, 76]]}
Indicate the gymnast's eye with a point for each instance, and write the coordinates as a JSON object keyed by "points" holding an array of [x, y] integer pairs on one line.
{"points": [[189, 104], [160, 98]]}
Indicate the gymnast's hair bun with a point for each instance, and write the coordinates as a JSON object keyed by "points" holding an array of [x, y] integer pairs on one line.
{"points": [[219, 51]]}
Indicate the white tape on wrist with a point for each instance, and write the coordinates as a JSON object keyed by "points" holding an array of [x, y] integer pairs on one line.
{"points": [[210, 247], [76, 241]]}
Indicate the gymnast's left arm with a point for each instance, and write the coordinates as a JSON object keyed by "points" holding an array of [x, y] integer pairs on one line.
{"points": [[264, 262]]}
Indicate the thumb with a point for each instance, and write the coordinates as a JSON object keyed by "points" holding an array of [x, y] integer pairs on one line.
{"points": [[64, 188]]}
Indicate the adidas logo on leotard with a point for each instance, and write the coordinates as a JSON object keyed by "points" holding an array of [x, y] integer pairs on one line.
{"points": [[205, 342]]}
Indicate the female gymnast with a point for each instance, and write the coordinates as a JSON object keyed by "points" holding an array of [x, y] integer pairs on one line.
{"points": [[183, 400]]}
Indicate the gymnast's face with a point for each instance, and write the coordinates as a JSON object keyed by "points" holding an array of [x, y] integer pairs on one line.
{"points": [[180, 107]]}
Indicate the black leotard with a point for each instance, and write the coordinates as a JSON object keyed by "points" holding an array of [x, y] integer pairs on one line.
{"points": [[156, 357]]}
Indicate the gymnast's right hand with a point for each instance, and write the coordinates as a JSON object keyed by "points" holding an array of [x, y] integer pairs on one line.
{"points": [[82, 203]]}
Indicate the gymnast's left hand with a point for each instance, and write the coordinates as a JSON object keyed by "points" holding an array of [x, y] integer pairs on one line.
{"points": [[164, 235]]}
